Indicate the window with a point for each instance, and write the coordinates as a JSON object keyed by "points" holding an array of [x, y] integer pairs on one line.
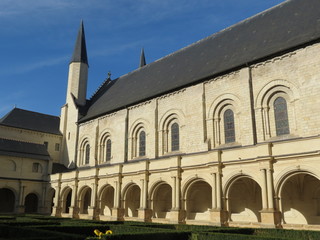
{"points": [[229, 131], [35, 167], [175, 137], [46, 145], [87, 154], [108, 150], [281, 116], [57, 147], [142, 144]]}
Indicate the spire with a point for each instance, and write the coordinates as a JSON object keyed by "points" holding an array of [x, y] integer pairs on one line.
{"points": [[80, 49], [142, 59]]}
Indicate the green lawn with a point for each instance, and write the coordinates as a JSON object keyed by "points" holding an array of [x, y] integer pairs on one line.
{"points": [[32, 227]]}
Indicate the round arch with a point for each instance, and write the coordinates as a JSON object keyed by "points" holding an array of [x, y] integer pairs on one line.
{"points": [[298, 193], [197, 198], [106, 197], [243, 198], [161, 199], [84, 198], [31, 202], [7, 200], [66, 195], [131, 198]]}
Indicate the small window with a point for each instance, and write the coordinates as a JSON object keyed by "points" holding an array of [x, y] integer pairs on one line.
{"points": [[175, 137], [229, 131], [142, 144], [87, 154], [281, 116], [35, 167], [108, 150], [46, 145], [57, 147]]}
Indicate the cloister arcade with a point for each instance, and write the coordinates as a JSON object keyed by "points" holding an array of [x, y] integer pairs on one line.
{"points": [[244, 200]]}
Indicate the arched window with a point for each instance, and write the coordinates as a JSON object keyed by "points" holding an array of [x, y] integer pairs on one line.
{"points": [[108, 150], [281, 116], [87, 154], [142, 144], [229, 131], [175, 137]]}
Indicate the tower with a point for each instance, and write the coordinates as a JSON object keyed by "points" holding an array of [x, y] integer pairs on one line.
{"points": [[75, 99]]}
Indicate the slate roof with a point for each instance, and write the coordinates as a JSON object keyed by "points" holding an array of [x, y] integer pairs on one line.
{"points": [[20, 118], [23, 149], [59, 168], [80, 49], [275, 31]]}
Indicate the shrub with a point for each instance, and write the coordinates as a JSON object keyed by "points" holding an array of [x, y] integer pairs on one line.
{"points": [[177, 235], [290, 234], [227, 236]]}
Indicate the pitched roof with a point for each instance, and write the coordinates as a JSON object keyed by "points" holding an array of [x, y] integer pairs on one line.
{"points": [[23, 149], [80, 49], [20, 118], [272, 32], [59, 168]]}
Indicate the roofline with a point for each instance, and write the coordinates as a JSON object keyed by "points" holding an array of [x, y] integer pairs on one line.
{"points": [[1, 124], [314, 41]]}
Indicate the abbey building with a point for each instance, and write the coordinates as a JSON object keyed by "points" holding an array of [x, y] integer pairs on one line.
{"points": [[222, 132]]}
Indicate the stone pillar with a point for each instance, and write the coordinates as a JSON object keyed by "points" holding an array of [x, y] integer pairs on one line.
{"points": [[270, 217], [264, 190], [20, 207], [217, 139], [270, 189], [74, 208], [218, 215], [117, 210], [93, 208], [144, 214], [43, 204]]}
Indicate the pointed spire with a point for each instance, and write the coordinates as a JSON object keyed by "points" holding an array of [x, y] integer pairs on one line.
{"points": [[142, 58], [80, 49]]}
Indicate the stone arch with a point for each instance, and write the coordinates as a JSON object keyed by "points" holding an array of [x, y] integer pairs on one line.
{"points": [[265, 108], [244, 199], [298, 193], [131, 200], [7, 200], [222, 100], [84, 199], [66, 195], [223, 104], [197, 198], [276, 86], [106, 197], [31, 202], [104, 137], [161, 199], [137, 128], [171, 131], [85, 152], [172, 113]]}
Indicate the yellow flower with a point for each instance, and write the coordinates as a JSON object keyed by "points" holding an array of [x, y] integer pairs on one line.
{"points": [[98, 233], [109, 232]]}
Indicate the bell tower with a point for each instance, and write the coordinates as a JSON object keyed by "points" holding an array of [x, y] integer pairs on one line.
{"points": [[75, 99]]}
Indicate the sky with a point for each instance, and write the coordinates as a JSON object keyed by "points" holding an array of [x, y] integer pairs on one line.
{"points": [[37, 39]]}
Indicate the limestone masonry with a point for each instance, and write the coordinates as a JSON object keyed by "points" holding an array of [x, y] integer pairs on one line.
{"points": [[222, 132]]}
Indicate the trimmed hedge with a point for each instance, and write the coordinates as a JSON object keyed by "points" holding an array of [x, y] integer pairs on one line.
{"points": [[177, 235], [228, 236], [9, 232], [290, 234]]}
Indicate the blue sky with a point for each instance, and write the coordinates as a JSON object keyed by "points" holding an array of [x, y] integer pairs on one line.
{"points": [[37, 39]]}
